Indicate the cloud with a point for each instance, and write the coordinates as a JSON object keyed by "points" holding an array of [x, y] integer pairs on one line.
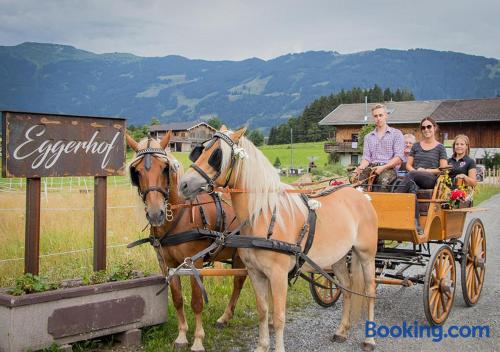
{"points": [[235, 30]]}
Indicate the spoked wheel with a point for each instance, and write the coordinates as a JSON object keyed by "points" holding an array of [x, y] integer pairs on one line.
{"points": [[325, 297], [473, 263], [439, 286]]}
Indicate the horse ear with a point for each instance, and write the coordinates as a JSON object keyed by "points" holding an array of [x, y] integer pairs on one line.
{"points": [[223, 128], [238, 134], [131, 142], [166, 138]]}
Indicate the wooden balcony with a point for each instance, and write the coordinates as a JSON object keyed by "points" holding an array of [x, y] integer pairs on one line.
{"points": [[341, 147]]}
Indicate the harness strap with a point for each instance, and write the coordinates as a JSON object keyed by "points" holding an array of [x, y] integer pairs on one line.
{"points": [[220, 220], [203, 217], [271, 224]]}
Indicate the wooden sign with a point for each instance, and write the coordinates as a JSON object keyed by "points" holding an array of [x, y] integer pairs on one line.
{"points": [[42, 145]]}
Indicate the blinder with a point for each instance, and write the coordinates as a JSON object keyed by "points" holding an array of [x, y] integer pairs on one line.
{"points": [[215, 160]]}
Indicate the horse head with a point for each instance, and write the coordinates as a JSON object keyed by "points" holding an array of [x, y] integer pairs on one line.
{"points": [[151, 172], [213, 163]]}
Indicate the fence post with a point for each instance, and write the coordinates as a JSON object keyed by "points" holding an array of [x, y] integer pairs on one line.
{"points": [[32, 232], [99, 223]]}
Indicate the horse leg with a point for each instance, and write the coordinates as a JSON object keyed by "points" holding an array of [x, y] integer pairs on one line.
{"points": [[279, 288], [260, 285], [368, 267], [342, 274], [197, 307], [175, 288], [238, 282]]}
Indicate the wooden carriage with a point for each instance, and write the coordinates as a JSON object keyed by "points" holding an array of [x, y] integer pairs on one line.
{"points": [[442, 228]]}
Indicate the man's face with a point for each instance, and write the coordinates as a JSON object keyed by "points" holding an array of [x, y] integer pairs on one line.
{"points": [[379, 117]]}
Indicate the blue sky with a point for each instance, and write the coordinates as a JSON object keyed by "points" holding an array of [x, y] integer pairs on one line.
{"points": [[236, 30]]}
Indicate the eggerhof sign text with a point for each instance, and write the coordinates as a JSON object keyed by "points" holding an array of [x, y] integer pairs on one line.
{"points": [[41, 145]]}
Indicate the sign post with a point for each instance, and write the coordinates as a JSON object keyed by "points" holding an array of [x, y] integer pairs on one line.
{"points": [[39, 145]]}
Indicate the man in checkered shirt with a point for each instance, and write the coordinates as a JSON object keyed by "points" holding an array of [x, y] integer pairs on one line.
{"points": [[383, 151]]}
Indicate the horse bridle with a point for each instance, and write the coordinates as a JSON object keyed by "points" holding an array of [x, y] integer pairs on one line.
{"points": [[217, 154], [147, 153]]}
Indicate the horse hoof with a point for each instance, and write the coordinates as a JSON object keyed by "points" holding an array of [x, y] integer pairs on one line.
{"points": [[220, 325], [339, 338], [180, 346], [368, 347]]}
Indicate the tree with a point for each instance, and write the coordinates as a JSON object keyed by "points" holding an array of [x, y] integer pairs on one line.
{"points": [[363, 132], [215, 122], [277, 162], [256, 137], [154, 121]]}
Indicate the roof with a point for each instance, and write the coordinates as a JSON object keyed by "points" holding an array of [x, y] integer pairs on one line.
{"points": [[468, 110], [411, 112], [179, 126]]}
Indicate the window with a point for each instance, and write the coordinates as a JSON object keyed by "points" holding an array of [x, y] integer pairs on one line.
{"points": [[354, 159]]}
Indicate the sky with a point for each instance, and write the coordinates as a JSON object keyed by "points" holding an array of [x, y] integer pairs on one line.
{"points": [[237, 30]]}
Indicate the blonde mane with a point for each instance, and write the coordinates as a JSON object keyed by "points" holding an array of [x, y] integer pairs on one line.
{"points": [[266, 189]]}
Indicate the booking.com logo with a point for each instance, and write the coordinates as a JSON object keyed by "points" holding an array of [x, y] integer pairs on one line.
{"points": [[416, 330]]}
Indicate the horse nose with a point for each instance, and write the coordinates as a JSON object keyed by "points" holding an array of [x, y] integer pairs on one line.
{"points": [[183, 186], [156, 217]]}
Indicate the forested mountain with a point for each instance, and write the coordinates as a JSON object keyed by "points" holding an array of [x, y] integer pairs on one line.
{"points": [[63, 79], [305, 126]]}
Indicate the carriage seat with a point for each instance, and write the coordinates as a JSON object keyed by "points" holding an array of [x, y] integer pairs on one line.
{"points": [[423, 208]]}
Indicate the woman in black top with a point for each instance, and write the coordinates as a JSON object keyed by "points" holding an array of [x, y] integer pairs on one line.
{"points": [[424, 161], [463, 167], [426, 156]]}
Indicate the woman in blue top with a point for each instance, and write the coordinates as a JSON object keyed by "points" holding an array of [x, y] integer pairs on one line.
{"points": [[462, 166]]}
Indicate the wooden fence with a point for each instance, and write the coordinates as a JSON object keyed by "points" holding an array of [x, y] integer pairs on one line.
{"points": [[492, 176]]}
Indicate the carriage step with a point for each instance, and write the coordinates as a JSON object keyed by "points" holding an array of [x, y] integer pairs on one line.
{"points": [[210, 272]]}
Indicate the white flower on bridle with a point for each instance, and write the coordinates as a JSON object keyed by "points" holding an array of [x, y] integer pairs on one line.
{"points": [[313, 204], [240, 153]]}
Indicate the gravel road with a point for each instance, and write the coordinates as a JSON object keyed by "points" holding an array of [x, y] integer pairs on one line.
{"points": [[310, 329]]}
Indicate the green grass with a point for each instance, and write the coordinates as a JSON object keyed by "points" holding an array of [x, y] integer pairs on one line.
{"points": [[300, 151], [485, 192]]}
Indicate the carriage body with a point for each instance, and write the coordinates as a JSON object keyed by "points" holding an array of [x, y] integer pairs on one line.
{"points": [[443, 243]]}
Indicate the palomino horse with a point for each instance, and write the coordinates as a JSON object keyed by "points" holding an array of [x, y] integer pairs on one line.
{"points": [[156, 173], [346, 220]]}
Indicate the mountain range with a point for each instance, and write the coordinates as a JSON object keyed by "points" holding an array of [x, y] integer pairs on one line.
{"points": [[57, 78]]}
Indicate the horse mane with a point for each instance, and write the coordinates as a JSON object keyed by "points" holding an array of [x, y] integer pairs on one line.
{"points": [[266, 189]]}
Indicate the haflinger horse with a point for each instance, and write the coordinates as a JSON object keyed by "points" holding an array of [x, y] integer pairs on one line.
{"points": [[156, 173], [346, 220]]}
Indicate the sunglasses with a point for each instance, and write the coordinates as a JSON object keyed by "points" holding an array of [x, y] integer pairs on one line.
{"points": [[423, 127], [215, 160]]}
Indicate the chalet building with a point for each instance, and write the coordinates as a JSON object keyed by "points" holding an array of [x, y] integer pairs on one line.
{"points": [[479, 119], [185, 135]]}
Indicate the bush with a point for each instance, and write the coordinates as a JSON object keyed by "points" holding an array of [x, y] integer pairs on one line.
{"points": [[29, 283]]}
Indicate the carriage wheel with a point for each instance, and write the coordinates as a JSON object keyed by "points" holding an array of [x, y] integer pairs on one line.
{"points": [[439, 286], [325, 297], [473, 262]]}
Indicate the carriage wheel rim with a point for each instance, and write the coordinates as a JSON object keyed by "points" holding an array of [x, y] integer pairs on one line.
{"points": [[474, 265], [442, 284]]}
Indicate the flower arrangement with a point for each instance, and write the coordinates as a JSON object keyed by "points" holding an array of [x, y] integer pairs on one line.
{"points": [[336, 183]]}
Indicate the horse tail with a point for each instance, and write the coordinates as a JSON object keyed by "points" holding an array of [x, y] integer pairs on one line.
{"points": [[358, 303]]}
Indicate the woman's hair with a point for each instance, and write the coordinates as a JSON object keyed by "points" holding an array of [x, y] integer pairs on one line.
{"points": [[466, 140], [431, 120]]}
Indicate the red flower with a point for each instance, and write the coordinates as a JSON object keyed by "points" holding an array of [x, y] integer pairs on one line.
{"points": [[457, 194], [336, 183]]}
